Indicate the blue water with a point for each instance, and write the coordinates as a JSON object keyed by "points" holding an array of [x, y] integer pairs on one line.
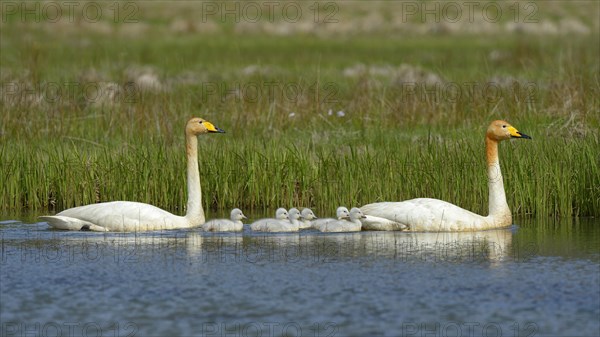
{"points": [[523, 281]]}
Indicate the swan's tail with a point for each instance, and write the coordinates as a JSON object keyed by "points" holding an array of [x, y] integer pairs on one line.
{"points": [[71, 224]]}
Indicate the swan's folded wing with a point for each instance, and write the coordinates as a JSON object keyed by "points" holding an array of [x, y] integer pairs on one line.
{"points": [[71, 224], [332, 226], [124, 216], [374, 223], [319, 223], [222, 225], [272, 225], [424, 214], [340, 226], [306, 224], [392, 212]]}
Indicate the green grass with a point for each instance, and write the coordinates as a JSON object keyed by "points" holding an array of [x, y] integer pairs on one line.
{"points": [[65, 149]]}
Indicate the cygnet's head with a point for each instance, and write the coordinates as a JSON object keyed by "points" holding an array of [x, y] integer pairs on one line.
{"points": [[237, 215], [294, 214], [357, 214], [342, 213], [307, 214], [281, 214]]}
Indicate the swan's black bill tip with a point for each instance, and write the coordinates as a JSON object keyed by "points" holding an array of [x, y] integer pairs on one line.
{"points": [[524, 136]]}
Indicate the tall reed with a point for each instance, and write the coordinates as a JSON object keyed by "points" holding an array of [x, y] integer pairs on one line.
{"points": [[311, 121]]}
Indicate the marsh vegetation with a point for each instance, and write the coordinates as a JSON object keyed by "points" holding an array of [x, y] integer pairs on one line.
{"points": [[318, 117]]}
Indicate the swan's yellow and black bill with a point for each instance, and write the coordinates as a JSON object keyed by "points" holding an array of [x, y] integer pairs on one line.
{"points": [[211, 128], [514, 133]]}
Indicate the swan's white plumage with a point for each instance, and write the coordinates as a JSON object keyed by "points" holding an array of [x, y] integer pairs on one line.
{"points": [[281, 223], [117, 216], [422, 214], [340, 213], [352, 224], [128, 216], [426, 214], [233, 224], [71, 224], [374, 223], [294, 216], [307, 215]]}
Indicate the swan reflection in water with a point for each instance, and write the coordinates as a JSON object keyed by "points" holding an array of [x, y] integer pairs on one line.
{"points": [[457, 247], [250, 247]]}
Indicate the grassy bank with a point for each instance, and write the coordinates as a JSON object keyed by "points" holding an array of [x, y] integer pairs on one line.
{"points": [[92, 115], [545, 176]]}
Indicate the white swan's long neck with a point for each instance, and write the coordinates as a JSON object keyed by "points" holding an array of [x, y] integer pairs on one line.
{"points": [[195, 213], [499, 210]]}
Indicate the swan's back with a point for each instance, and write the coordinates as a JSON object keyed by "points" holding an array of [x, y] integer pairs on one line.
{"points": [[425, 214], [340, 226], [233, 224], [353, 224], [273, 225], [281, 223], [223, 225], [341, 213], [118, 216]]}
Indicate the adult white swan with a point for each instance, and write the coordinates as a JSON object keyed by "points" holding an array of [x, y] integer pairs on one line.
{"points": [[352, 224], [128, 216], [426, 214], [233, 224]]}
